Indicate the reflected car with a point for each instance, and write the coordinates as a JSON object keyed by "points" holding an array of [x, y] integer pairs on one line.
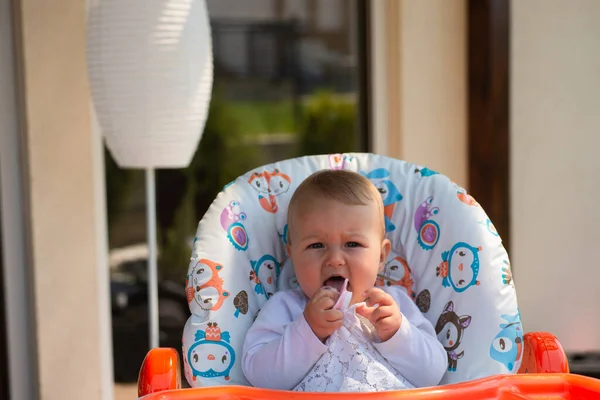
{"points": [[130, 319]]}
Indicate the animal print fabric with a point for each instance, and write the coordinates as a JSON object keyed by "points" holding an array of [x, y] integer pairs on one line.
{"points": [[446, 255]]}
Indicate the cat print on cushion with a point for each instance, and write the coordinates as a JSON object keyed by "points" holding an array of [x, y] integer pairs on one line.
{"points": [[283, 235], [450, 328], [507, 346], [390, 194], [397, 273], [489, 226], [462, 195], [340, 161], [460, 267], [264, 274], [211, 355], [507, 277], [427, 229], [269, 185], [231, 220], [205, 287], [425, 172]]}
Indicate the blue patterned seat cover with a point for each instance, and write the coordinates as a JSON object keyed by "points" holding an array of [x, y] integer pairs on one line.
{"points": [[445, 253]]}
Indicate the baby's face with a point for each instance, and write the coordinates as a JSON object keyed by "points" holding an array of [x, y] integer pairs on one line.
{"points": [[331, 241]]}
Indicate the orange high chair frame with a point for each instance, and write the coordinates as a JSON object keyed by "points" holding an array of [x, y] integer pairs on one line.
{"points": [[544, 374]]}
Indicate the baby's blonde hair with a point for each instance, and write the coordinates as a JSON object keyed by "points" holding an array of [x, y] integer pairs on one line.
{"points": [[347, 187]]}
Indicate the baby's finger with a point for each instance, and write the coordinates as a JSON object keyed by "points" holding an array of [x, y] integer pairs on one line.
{"points": [[389, 323], [325, 292], [336, 324], [325, 303], [333, 315], [365, 311], [381, 312], [377, 296], [328, 291]]}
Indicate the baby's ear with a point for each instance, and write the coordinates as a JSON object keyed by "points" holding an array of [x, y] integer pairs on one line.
{"points": [[386, 246]]}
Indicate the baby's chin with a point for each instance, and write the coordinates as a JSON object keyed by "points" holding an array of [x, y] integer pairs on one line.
{"points": [[356, 298]]}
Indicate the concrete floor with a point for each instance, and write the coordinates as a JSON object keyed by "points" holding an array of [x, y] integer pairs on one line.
{"points": [[125, 391]]}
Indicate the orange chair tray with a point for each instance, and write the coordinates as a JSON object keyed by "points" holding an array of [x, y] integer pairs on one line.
{"points": [[505, 387]]}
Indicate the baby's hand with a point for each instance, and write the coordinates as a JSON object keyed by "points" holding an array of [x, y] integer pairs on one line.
{"points": [[319, 315], [386, 318]]}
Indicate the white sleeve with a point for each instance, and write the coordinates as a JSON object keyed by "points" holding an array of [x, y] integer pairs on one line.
{"points": [[414, 350], [280, 347]]}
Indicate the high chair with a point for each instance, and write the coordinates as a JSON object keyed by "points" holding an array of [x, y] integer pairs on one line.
{"points": [[238, 261]]}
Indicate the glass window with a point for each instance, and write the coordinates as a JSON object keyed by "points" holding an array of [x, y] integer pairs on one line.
{"points": [[286, 84]]}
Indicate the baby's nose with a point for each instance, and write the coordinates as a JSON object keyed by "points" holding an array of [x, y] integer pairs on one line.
{"points": [[335, 258]]}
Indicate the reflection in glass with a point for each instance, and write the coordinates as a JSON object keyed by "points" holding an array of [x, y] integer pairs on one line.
{"points": [[285, 85]]}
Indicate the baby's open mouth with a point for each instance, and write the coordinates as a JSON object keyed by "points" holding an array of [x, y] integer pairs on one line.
{"points": [[337, 282]]}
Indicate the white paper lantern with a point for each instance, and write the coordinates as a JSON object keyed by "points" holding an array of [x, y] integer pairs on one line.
{"points": [[150, 67]]}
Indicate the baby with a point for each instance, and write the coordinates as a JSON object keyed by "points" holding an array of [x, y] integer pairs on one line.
{"points": [[337, 332]]}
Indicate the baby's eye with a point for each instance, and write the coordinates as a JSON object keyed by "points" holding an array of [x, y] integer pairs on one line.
{"points": [[352, 244], [315, 246]]}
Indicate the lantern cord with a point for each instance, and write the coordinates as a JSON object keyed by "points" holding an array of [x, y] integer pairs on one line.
{"points": [[153, 315]]}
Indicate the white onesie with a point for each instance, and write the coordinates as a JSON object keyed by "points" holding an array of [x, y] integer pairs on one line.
{"points": [[282, 352]]}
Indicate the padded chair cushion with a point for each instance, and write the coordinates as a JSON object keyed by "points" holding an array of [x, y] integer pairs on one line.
{"points": [[445, 253]]}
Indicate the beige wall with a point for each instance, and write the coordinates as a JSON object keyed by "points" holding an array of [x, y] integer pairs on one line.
{"points": [[419, 79], [61, 199], [555, 167]]}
